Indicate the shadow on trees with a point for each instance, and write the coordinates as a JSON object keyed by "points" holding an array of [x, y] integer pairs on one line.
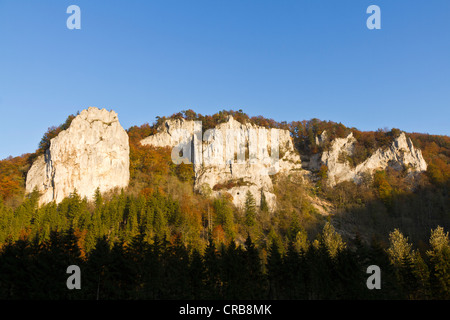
{"points": [[169, 270], [414, 213]]}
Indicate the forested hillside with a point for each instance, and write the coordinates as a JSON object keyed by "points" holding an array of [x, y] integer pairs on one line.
{"points": [[160, 239]]}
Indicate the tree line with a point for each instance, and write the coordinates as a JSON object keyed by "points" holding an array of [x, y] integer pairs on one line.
{"points": [[162, 269], [177, 227]]}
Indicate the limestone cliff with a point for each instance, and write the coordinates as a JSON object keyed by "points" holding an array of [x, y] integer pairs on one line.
{"points": [[232, 158], [400, 154], [92, 153]]}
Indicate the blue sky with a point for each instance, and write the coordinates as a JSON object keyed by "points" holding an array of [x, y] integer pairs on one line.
{"points": [[283, 59]]}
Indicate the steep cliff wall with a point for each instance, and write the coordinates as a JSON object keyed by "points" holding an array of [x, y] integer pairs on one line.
{"points": [[400, 154], [233, 158], [92, 153]]}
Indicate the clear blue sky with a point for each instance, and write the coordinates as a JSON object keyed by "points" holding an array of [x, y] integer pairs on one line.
{"points": [[283, 59]]}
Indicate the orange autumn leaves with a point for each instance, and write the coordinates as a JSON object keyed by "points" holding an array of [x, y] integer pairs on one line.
{"points": [[12, 177]]}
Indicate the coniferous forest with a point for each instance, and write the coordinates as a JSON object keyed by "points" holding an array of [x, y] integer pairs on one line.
{"points": [[169, 270], [158, 239]]}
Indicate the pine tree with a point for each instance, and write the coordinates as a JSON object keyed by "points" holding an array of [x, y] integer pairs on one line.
{"points": [[71, 247], [176, 267], [136, 253], [212, 271], [197, 276], [301, 242], [250, 210], [440, 263], [74, 207], [399, 249], [253, 284], [274, 273], [422, 274], [332, 240], [120, 283], [292, 274], [378, 255], [232, 272], [19, 277], [401, 256], [224, 216], [349, 278], [130, 217], [54, 257], [153, 275], [320, 273], [263, 206], [96, 277], [98, 199]]}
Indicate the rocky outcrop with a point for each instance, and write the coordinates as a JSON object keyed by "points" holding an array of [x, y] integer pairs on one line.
{"points": [[232, 158], [92, 153], [399, 155]]}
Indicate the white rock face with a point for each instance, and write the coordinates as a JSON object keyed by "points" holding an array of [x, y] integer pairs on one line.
{"points": [[92, 153], [232, 158], [400, 154]]}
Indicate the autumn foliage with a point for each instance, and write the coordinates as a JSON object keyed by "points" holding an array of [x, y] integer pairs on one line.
{"points": [[12, 178], [176, 243], [160, 197]]}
